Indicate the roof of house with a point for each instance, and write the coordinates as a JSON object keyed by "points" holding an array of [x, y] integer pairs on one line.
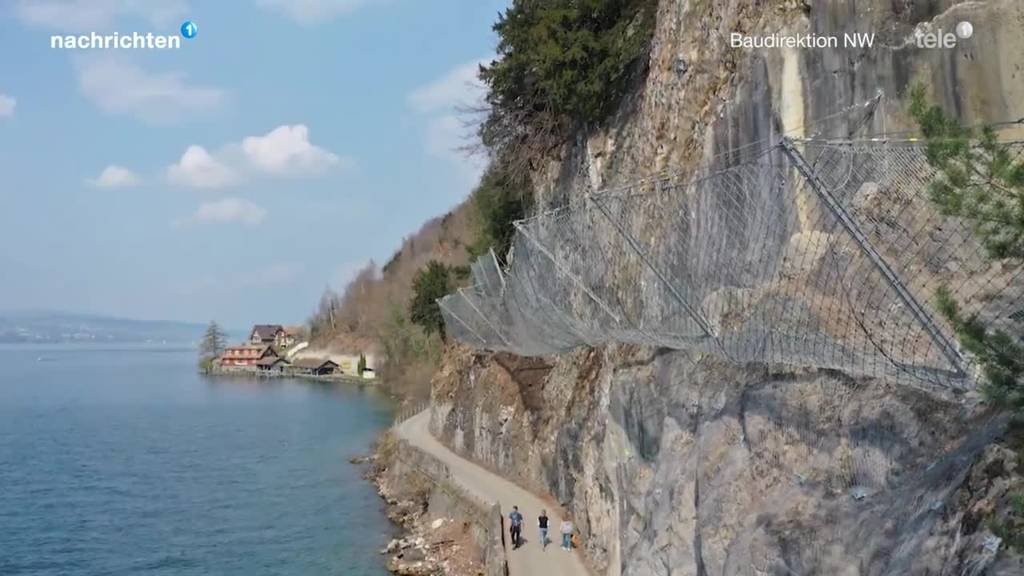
{"points": [[267, 331], [270, 361], [250, 349], [313, 363], [294, 330]]}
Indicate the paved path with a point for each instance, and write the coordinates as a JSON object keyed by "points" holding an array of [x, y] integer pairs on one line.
{"points": [[531, 559]]}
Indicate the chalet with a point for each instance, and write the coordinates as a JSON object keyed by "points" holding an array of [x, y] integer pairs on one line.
{"points": [[293, 334], [315, 366], [246, 355], [269, 334]]}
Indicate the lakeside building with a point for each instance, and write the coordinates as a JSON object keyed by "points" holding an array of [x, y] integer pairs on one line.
{"points": [[273, 335], [274, 349], [272, 365], [315, 367], [246, 355]]}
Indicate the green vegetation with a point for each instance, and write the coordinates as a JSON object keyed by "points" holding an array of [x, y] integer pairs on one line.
{"points": [[1000, 357], [561, 64], [498, 201], [431, 283], [211, 346], [361, 366], [411, 355], [979, 181], [1010, 529], [978, 178]]}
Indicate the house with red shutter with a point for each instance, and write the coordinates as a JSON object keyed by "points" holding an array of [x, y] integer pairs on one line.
{"points": [[246, 355]]}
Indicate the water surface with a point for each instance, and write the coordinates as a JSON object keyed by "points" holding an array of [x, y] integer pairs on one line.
{"points": [[125, 461]]}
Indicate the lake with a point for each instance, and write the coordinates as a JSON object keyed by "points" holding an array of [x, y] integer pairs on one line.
{"points": [[126, 461]]}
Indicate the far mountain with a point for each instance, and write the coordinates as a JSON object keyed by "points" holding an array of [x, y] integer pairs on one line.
{"points": [[47, 326]]}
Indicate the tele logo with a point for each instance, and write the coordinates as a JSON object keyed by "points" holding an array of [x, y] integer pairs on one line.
{"points": [[925, 37]]}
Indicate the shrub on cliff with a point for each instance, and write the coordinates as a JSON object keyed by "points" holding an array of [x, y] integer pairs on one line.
{"points": [[499, 200], [561, 63], [432, 282]]}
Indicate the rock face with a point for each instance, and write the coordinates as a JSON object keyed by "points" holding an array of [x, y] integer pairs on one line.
{"points": [[675, 463]]}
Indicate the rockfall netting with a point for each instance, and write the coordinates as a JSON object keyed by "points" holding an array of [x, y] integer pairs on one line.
{"points": [[816, 253]]}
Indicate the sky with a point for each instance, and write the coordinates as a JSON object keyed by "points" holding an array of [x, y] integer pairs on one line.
{"points": [[236, 177]]}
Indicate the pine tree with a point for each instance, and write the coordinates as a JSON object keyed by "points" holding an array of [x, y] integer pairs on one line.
{"points": [[978, 179], [361, 366], [212, 345]]}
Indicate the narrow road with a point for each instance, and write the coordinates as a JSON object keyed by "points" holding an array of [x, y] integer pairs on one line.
{"points": [[531, 559]]}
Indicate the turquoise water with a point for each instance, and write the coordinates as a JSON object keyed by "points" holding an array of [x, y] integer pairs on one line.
{"points": [[128, 462]]}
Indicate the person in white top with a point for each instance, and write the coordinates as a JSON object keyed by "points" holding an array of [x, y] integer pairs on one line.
{"points": [[566, 531]]}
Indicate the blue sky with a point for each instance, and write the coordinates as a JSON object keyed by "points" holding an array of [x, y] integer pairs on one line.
{"points": [[272, 155]]}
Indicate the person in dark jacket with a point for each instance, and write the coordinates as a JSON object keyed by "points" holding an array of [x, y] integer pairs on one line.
{"points": [[542, 523]]}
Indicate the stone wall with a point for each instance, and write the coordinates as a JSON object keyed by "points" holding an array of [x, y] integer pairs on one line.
{"points": [[446, 499]]}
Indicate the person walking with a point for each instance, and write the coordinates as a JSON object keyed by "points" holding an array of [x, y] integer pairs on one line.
{"points": [[516, 527], [542, 523], [566, 530]]}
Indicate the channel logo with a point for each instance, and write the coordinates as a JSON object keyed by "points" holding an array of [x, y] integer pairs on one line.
{"points": [[189, 29], [925, 37]]}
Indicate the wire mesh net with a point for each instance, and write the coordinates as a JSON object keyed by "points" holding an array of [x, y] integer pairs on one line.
{"points": [[818, 254]]}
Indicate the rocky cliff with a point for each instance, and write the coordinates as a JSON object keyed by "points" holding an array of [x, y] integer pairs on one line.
{"points": [[676, 463]]}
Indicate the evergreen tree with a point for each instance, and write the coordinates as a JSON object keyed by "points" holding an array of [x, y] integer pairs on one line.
{"points": [[561, 64], [978, 180], [431, 283], [212, 345], [361, 366]]}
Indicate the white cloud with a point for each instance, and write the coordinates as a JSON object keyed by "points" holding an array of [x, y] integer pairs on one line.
{"points": [[228, 211], [286, 150], [7, 104], [114, 176], [443, 103], [99, 15], [198, 169], [310, 12], [121, 88]]}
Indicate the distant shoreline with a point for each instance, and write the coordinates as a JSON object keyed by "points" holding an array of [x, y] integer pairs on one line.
{"points": [[250, 374]]}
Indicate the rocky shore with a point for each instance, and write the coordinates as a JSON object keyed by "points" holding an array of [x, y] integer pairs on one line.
{"points": [[437, 537]]}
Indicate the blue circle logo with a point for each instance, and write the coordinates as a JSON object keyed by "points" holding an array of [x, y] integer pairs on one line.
{"points": [[189, 29]]}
